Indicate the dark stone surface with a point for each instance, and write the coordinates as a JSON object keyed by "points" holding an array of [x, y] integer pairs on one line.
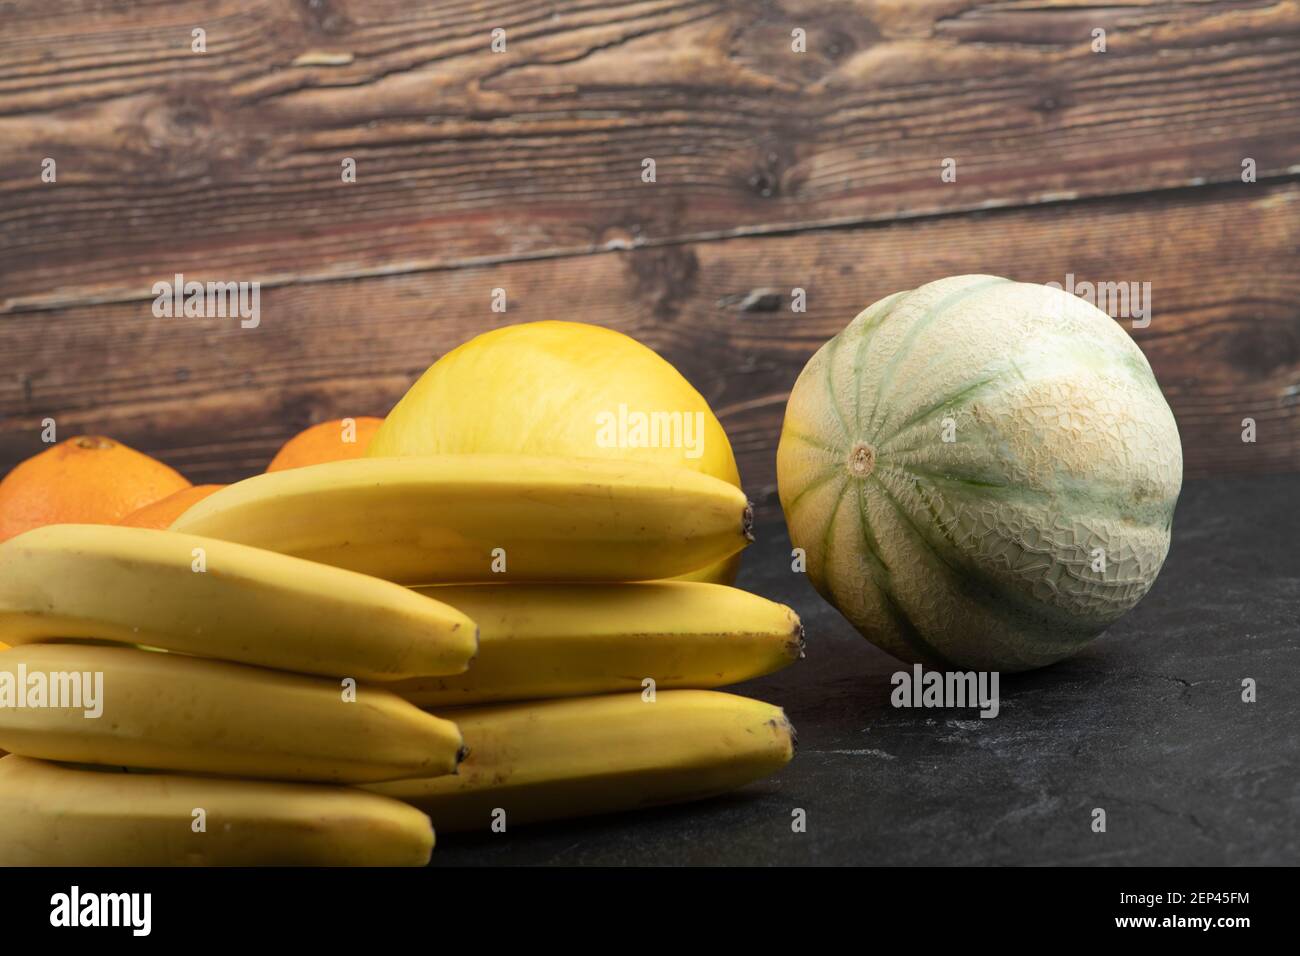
{"points": [[1147, 723]]}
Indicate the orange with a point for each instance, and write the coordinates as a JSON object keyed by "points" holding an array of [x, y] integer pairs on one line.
{"points": [[162, 513], [326, 442], [89, 480]]}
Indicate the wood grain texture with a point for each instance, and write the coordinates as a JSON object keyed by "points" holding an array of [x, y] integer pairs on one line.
{"points": [[216, 400], [226, 164]]}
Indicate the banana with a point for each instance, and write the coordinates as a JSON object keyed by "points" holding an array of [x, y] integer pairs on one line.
{"points": [[585, 755], [3, 647], [163, 711], [566, 640], [464, 518], [51, 815], [216, 599]]}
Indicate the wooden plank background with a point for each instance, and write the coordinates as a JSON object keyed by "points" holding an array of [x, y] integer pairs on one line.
{"points": [[522, 170]]}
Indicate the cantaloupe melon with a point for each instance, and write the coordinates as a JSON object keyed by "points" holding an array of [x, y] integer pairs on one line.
{"points": [[982, 473]]}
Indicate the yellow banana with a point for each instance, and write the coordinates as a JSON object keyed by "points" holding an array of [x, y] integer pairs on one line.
{"points": [[566, 640], [563, 758], [463, 518], [216, 599], [172, 712], [3, 647], [52, 815]]}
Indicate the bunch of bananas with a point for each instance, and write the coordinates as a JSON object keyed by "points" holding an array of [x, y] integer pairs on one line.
{"points": [[265, 663]]}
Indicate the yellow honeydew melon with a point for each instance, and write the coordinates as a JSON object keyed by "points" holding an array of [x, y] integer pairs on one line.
{"points": [[565, 389], [982, 473]]}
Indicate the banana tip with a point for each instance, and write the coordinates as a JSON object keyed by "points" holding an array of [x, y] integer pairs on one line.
{"points": [[781, 723], [747, 521]]}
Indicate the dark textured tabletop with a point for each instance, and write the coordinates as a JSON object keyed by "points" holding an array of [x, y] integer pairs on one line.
{"points": [[1148, 723]]}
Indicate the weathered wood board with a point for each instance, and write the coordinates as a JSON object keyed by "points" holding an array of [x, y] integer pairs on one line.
{"points": [[216, 399], [523, 170]]}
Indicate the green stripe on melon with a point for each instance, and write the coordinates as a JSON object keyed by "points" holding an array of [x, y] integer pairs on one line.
{"points": [[979, 552]]}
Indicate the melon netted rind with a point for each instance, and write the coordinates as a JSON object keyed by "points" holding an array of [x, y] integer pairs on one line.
{"points": [[980, 552]]}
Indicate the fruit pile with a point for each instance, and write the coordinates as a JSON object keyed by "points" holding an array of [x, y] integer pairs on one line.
{"points": [[253, 684]]}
